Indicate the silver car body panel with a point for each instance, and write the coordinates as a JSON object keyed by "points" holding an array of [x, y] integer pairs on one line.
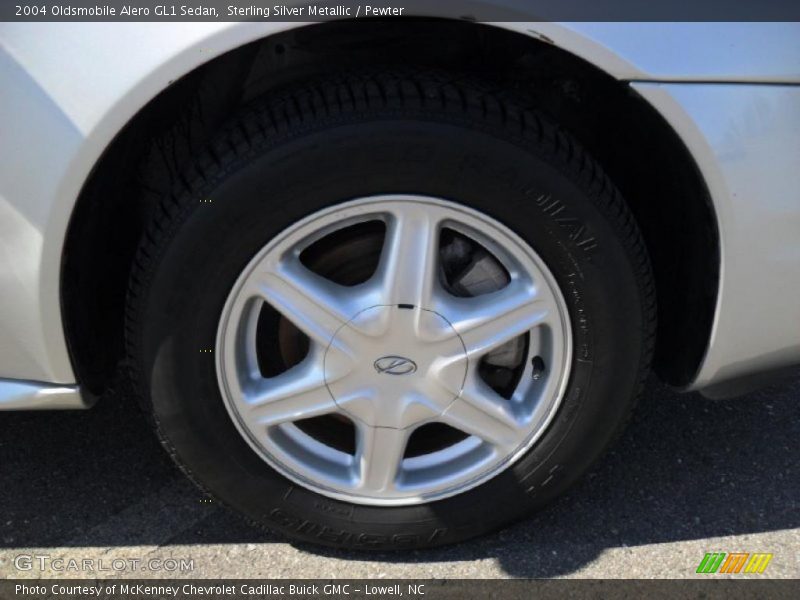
{"points": [[69, 88], [746, 141], [29, 395]]}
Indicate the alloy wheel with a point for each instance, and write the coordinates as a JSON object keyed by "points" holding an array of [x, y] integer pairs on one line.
{"points": [[393, 350]]}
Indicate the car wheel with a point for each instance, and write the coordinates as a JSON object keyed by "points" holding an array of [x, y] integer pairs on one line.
{"points": [[390, 310]]}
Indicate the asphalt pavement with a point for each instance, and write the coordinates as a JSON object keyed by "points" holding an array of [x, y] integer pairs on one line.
{"points": [[689, 476]]}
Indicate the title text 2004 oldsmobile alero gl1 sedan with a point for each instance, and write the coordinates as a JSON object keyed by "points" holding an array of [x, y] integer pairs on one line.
{"points": [[395, 284]]}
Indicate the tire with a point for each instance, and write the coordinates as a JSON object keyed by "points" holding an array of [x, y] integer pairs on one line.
{"points": [[367, 134]]}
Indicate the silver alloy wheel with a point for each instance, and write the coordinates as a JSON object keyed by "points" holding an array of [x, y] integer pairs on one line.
{"points": [[393, 354]]}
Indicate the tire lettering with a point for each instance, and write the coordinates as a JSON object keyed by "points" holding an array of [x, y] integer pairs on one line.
{"points": [[287, 521]]}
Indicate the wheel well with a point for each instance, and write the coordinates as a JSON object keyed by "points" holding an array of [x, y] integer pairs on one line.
{"points": [[636, 147]]}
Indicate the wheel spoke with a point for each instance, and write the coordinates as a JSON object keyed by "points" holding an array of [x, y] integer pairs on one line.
{"points": [[409, 259], [299, 393], [379, 453], [316, 306], [487, 322], [481, 412]]}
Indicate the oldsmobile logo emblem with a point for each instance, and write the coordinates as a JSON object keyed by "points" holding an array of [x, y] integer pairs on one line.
{"points": [[395, 365]]}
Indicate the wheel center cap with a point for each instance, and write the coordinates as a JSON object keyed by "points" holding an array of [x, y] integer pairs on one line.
{"points": [[406, 366], [395, 365]]}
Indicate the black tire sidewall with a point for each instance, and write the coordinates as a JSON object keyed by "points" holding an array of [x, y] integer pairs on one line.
{"points": [[269, 187]]}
